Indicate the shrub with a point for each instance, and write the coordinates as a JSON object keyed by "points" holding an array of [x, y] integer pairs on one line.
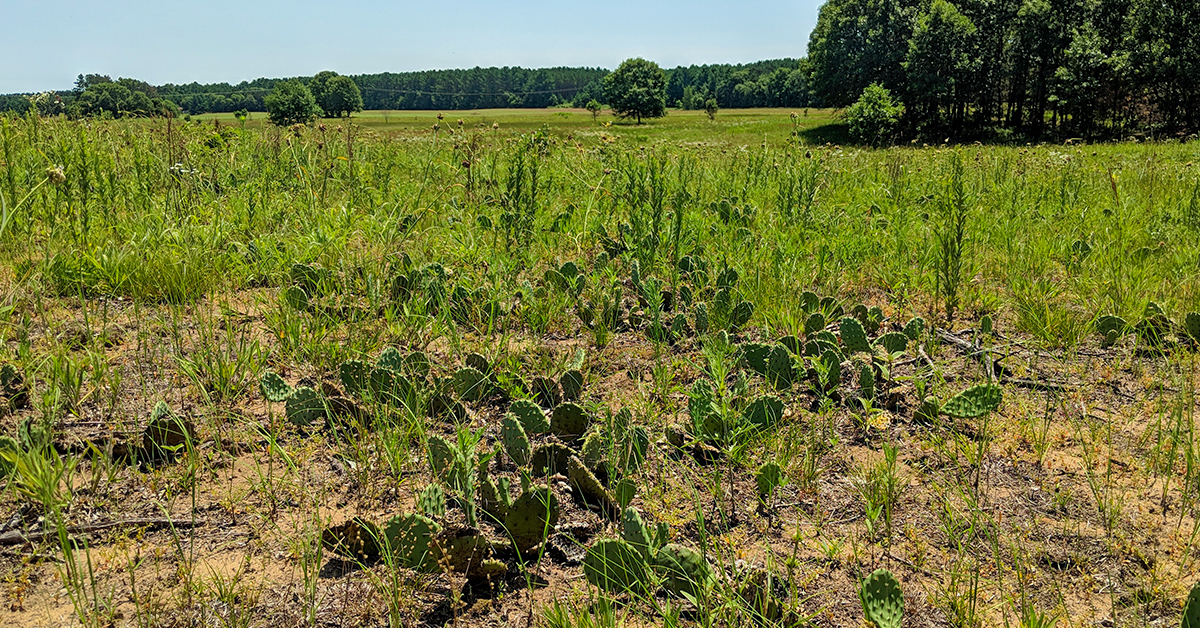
{"points": [[873, 118], [291, 103]]}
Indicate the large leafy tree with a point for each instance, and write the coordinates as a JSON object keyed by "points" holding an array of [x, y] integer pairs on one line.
{"points": [[337, 95], [291, 102], [941, 64], [122, 98], [859, 42], [637, 89]]}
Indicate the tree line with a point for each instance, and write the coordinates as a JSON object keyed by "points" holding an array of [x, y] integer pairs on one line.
{"points": [[961, 67]]}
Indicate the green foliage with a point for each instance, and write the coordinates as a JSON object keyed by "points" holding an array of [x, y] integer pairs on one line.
{"points": [[873, 118], [882, 600], [305, 407], [914, 328], [764, 412], [1191, 608], [532, 518], [616, 567], [973, 402], [409, 538], [336, 95], [290, 103], [432, 501], [533, 420], [767, 479], [590, 488], [893, 342], [273, 388], [866, 382], [569, 421], [516, 442], [636, 89], [684, 571], [854, 337], [1191, 324]]}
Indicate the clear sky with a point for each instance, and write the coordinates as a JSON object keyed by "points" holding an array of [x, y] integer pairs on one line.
{"points": [[44, 44]]}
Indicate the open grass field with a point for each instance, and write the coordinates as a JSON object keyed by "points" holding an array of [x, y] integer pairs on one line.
{"points": [[557, 373]]}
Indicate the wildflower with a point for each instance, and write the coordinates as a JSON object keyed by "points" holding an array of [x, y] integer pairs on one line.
{"points": [[56, 175], [495, 126], [440, 116], [436, 126]]}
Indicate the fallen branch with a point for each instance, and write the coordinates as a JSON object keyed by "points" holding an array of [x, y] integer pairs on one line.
{"points": [[17, 537]]}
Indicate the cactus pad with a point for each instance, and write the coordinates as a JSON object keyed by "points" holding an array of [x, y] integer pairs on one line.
{"points": [[356, 539], [432, 501], [477, 362], [866, 382], [166, 431], [893, 342], [273, 388], [296, 297], [615, 566], [408, 538], [973, 402], [355, 376], [634, 532], [516, 441], [741, 314], [769, 476], [1191, 608], [390, 358], [546, 392], [569, 421], [590, 488], [914, 328], [764, 411], [854, 337], [532, 517], [779, 368], [814, 323], [549, 458], [471, 384], [532, 418], [305, 407], [684, 570], [882, 601], [1191, 323], [572, 384]]}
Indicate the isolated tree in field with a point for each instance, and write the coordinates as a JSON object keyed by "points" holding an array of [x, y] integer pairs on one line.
{"points": [[710, 107], [637, 89], [291, 103], [593, 106], [874, 116], [337, 95]]}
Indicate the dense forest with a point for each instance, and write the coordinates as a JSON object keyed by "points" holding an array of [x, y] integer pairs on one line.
{"points": [[762, 84], [1092, 67]]}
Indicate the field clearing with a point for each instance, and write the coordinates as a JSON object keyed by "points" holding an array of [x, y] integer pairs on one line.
{"points": [[240, 360]]}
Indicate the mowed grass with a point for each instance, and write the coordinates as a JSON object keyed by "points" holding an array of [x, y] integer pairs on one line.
{"points": [[734, 127], [155, 261]]}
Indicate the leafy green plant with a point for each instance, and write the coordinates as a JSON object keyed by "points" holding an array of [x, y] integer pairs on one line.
{"points": [[882, 600]]}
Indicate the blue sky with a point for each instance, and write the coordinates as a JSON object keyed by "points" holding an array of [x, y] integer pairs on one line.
{"points": [[46, 43]]}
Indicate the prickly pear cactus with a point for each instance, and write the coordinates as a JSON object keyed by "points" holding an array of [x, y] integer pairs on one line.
{"points": [[471, 384], [35, 434], [874, 319], [305, 407], [741, 314], [810, 302], [973, 402], [893, 342], [866, 382], [390, 358], [516, 441], [764, 411], [814, 323], [408, 538], [757, 357], [833, 369], [477, 362], [1191, 608], [928, 411], [882, 601], [296, 297], [532, 418], [985, 324], [166, 431], [1111, 328], [494, 500], [464, 550], [571, 383], [615, 566], [779, 368], [624, 491], [700, 318], [549, 458], [592, 452], [854, 337], [546, 392], [532, 517], [769, 476], [389, 386], [432, 501], [634, 532], [914, 328], [273, 388], [1191, 323], [569, 421], [355, 376], [683, 570], [590, 487], [357, 539]]}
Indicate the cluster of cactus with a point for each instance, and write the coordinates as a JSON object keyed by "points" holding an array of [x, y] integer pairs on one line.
{"points": [[713, 426], [819, 356], [1154, 329], [627, 564], [566, 278], [882, 600], [731, 212], [417, 542], [307, 283]]}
